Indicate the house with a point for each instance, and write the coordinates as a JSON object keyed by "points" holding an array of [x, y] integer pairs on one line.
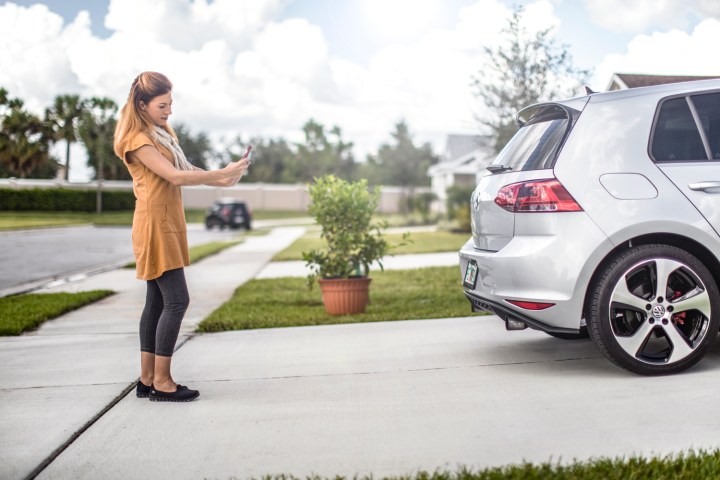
{"points": [[623, 81], [464, 157]]}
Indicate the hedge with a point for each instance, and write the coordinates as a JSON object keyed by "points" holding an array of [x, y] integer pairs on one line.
{"points": [[62, 199]]}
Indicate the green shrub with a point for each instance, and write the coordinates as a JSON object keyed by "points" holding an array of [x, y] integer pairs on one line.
{"points": [[62, 199], [344, 210], [458, 205]]}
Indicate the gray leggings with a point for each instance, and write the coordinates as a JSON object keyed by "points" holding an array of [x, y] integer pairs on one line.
{"points": [[165, 305]]}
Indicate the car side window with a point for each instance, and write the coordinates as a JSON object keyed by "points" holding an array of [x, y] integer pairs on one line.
{"points": [[676, 136], [707, 107]]}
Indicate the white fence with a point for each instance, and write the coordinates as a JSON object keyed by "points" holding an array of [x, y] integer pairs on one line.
{"points": [[260, 196]]}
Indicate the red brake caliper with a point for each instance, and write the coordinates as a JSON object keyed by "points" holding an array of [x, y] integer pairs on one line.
{"points": [[678, 318]]}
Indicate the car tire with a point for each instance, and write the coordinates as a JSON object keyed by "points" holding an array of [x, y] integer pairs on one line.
{"points": [[581, 335], [211, 223], [652, 311], [248, 226]]}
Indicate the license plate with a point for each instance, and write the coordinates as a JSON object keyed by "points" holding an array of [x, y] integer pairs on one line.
{"points": [[239, 219], [471, 273]]}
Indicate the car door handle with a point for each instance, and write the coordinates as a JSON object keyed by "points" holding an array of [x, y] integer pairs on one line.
{"points": [[710, 187]]}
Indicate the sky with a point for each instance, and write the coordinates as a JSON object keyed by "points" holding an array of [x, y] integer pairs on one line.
{"points": [[264, 67]]}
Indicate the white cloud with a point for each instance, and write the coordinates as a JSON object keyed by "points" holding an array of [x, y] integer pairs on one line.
{"points": [[238, 70], [188, 24], [33, 60], [639, 15], [670, 53]]}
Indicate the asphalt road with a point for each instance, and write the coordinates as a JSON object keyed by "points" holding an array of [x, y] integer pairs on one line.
{"points": [[30, 258]]}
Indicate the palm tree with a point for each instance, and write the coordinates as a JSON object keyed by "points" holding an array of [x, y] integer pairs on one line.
{"points": [[24, 138], [23, 143], [97, 125], [64, 116]]}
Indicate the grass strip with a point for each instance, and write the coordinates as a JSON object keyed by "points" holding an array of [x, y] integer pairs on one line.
{"points": [[434, 292], [421, 242], [20, 220], [198, 252], [690, 465], [21, 313]]}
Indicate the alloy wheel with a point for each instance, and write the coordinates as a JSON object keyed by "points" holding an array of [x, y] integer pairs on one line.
{"points": [[660, 311]]}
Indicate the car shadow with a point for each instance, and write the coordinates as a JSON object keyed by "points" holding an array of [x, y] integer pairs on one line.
{"points": [[570, 357]]}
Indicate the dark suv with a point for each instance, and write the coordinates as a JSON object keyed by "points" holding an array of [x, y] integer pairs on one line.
{"points": [[229, 213]]}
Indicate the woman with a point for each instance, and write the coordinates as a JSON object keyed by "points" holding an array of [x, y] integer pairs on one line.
{"points": [[148, 147]]}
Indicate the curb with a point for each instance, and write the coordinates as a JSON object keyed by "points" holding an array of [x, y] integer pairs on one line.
{"points": [[61, 279]]}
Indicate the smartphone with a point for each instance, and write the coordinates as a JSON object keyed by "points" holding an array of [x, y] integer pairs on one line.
{"points": [[248, 154]]}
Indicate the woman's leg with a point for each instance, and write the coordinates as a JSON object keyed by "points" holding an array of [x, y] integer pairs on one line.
{"points": [[148, 326], [147, 368], [175, 298]]}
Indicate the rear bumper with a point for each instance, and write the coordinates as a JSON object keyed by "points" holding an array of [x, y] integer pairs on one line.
{"points": [[550, 259], [482, 305]]}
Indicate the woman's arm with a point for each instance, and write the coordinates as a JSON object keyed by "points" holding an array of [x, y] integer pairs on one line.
{"points": [[153, 159], [228, 182]]}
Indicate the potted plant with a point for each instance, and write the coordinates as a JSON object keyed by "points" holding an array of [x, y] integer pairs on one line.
{"points": [[344, 212]]}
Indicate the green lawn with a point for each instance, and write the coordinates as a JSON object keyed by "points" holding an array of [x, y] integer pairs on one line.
{"points": [[420, 242], [684, 466], [434, 292], [18, 220], [21, 313], [198, 252]]}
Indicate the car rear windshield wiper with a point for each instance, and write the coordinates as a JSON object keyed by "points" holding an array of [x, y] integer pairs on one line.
{"points": [[497, 168]]}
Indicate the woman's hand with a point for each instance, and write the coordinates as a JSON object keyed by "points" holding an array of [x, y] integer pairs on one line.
{"points": [[235, 170]]}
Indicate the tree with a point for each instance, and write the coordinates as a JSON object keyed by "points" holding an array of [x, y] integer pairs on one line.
{"points": [[322, 154], [96, 131], [63, 117], [401, 163], [97, 126], [525, 68], [24, 141], [197, 148], [272, 160]]}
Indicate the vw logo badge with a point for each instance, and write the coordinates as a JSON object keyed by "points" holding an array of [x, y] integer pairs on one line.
{"points": [[476, 202], [658, 311]]}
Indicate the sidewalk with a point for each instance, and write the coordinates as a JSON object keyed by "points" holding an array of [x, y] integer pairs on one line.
{"points": [[53, 381], [297, 268], [57, 379]]}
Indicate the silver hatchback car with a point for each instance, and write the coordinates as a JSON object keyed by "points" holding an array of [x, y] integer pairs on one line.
{"points": [[601, 217]]}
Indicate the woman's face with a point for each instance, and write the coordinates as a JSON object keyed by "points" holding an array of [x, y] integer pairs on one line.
{"points": [[158, 109]]}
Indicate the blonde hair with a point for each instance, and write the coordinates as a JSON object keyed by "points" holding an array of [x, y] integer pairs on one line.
{"points": [[133, 119]]}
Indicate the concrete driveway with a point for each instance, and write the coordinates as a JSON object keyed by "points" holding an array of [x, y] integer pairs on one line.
{"points": [[390, 399]]}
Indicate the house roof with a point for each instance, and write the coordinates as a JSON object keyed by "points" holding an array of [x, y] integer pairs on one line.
{"points": [[460, 145], [478, 154], [622, 81]]}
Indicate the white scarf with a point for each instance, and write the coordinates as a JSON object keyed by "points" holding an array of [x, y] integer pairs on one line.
{"points": [[166, 140]]}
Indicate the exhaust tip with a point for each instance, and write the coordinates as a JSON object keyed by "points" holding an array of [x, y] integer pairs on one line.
{"points": [[512, 324]]}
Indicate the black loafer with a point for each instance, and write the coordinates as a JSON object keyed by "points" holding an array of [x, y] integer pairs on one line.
{"points": [[181, 394], [142, 390]]}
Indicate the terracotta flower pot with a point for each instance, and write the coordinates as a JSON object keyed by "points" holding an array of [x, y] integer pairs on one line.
{"points": [[345, 296]]}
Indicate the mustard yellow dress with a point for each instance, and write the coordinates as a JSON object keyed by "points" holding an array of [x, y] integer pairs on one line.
{"points": [[159, 231]]}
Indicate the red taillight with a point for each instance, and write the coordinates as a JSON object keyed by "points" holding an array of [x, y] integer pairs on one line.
{"points": [[530, 305], [536, 196]]}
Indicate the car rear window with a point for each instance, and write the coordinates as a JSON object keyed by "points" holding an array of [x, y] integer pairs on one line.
{"points": [[687, 129], [536, 145]]}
